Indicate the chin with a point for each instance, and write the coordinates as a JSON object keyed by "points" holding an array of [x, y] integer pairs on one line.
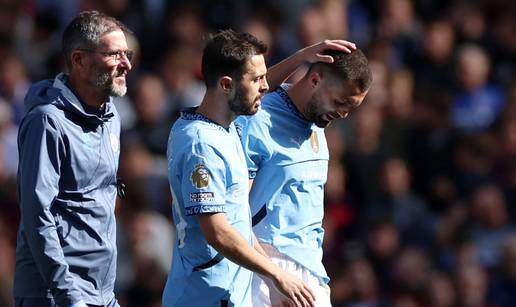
{"points": [[251, 111], [118, 90], [322, 124]]}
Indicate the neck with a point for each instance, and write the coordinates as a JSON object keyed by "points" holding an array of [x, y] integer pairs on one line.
{"points": [[215, 107], [300, 94], [87, 93]]}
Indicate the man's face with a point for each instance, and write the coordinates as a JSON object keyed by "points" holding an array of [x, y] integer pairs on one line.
{"points": [[333, 100], [107, 72], [246, 95]]}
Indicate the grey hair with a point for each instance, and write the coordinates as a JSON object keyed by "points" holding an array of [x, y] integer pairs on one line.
{"points": [[86, 30]]}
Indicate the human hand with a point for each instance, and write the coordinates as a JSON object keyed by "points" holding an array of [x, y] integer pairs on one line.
{"points": [[293, 292], [313, 53]]}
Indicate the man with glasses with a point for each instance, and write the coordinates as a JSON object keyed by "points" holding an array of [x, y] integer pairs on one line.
{"points": [[67, 186]]}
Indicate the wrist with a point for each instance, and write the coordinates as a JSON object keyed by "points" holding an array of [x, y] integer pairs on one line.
{"points": [[302, 57], [275, 275]]}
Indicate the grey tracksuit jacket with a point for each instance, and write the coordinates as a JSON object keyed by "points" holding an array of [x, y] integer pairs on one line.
{"points": [[66, 245]]}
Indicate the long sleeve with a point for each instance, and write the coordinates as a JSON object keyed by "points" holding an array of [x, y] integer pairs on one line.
{"points": [[41, 150]]}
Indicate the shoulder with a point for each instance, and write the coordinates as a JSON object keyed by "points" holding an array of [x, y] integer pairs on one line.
{"points": [[45, 115], [196, 137]]}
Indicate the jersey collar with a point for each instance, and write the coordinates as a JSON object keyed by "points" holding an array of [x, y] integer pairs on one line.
{"points": [[191, 114]]}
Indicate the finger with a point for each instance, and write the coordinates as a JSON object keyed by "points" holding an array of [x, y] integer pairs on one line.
{"points": [[309, 295], [297, 302], [289, 303], [324, 58], [303, 301], [343, 43], [340, 45]]}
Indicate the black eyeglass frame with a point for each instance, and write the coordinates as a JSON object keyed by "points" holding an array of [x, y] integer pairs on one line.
{"points": [[115, 54]]}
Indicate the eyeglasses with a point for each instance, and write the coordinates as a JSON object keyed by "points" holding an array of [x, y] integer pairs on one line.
{"points": [[115, 54]]}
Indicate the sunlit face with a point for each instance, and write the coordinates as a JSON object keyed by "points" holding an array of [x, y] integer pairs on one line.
{"points": [[246, 95], [333, 100], [106, 72]]}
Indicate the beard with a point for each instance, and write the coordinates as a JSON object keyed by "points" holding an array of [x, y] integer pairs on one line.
{"points": [[240, 105], [106, 83], [313, 113]]}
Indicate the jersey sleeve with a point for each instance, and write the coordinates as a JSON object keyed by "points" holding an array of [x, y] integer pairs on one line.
{"points": [[204, 181]]}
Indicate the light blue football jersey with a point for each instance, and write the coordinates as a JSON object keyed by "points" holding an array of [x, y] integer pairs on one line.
{"points": [[207, 173], [287, 157]]}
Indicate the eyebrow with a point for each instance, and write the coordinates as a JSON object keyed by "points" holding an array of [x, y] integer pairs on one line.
{"points": [[350, 102], [355, 103], [256, 74]]}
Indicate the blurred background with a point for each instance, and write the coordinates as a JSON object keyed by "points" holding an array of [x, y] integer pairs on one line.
{"points": [[421, 193]]}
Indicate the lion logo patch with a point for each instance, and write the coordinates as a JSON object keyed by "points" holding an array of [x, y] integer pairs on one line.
{"points": [[200, 176]]}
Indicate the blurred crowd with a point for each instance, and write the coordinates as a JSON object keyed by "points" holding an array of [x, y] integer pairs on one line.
{"points": [[421, 192]]}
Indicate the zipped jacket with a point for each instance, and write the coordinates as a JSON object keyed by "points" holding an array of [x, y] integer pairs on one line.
{"points": [[67, 187]]}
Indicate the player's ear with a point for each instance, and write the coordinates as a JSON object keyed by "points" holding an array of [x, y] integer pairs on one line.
{"points": [[315, 78], [77, 58], [226, 83]]}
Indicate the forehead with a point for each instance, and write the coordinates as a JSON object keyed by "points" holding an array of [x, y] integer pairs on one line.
{"points": [[255, 66], [114, 40], [344, 91]]}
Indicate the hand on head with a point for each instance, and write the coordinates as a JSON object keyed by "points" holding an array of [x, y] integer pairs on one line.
{"points": [[315, 52]]}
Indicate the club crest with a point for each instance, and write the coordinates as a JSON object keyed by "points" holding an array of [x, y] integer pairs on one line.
{"points": [[200, 176], [314, 141]]}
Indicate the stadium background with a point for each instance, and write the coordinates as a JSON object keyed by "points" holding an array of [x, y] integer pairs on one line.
{"points": [[421, 191]]}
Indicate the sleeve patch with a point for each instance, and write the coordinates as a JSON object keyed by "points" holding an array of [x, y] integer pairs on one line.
{"points": [[202, 196], [200, 176], [194, 210]]}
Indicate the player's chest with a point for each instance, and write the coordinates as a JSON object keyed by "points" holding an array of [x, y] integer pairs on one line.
{"points": [[293, 146]]}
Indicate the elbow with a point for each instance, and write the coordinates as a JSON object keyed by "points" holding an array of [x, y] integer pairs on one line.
{"points": [[215, 239]]}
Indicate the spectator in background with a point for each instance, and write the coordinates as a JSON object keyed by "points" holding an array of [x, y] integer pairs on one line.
{"points": [[398, 112], [366, 155], [383, 245], [491, 226], [145, 175], [503, 287], [180, 71], [441, 291], [472, 285], [433, 63], [7, 264], [478, 103], [339, 208], [410, 273], [154, 115], [67, 186], [358, 287], [398, 202], [8, 148], [14, 83]]}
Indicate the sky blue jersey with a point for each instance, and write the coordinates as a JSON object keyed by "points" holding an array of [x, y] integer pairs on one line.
{"points": [[287, 157], [207, 173]]}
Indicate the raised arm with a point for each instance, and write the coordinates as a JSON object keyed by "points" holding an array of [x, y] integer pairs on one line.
{"points": [[278, 73]]}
